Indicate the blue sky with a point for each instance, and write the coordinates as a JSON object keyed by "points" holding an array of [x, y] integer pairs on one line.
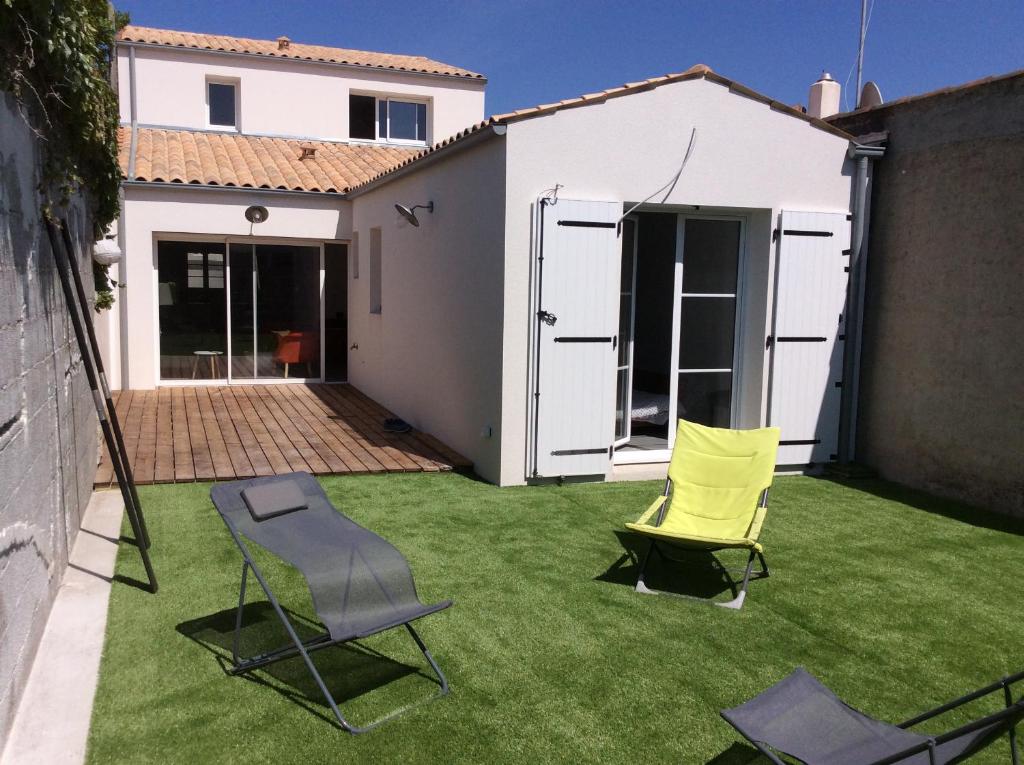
{"points": [[535, 52]]}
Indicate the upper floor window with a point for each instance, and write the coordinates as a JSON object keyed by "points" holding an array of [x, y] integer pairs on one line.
{"points": [[387, 119], [222, 104]]}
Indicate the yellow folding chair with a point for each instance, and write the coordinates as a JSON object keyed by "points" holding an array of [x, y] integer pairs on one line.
{"points": [[715, 498]]}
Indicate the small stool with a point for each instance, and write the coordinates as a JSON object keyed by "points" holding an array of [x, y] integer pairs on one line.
{"points": [[214, 357]]}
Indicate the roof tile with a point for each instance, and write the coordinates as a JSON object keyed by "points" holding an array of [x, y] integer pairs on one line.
{"points": [[231, 159], [293, 50]]}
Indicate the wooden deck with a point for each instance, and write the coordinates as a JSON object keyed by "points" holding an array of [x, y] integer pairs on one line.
{"points": [[207, 433]]}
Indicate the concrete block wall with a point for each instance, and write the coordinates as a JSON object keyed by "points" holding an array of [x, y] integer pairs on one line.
{"points": [[48, 427], [941, 404]]}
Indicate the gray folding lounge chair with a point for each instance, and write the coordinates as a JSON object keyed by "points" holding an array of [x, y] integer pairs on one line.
{"points": [[800, 717], [360, 583]]}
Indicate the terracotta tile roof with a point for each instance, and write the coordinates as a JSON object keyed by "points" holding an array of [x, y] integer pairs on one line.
{"points": [[696, 72], [300, 51], [231, 159]]}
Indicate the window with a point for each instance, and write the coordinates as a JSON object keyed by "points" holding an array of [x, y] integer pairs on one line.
{"points": [[205, 271], [222, 104], [361, 119], [387, 119], [375, 271]]}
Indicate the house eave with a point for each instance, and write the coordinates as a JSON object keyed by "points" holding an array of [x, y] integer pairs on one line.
{"points": [[177, 186], [481, 80]]}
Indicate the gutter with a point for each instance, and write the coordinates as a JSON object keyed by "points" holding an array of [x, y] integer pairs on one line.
{"points": [[854, 323], [134, 115], [248, 189], [132, 44], [429, 158]]}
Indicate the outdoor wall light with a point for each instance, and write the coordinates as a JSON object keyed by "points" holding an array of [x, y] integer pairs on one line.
{"points": [[106, 252], [256, 214], [409, 213]]}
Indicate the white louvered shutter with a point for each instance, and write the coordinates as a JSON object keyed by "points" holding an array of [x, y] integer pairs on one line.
{"points": [[576, 330], [807, 338]]}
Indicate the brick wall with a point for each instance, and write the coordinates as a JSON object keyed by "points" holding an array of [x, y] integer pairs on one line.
{"points": [[48, 428]]}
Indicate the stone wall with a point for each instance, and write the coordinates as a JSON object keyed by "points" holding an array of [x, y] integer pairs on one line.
{"points": [[48, 427], [941, 404]]}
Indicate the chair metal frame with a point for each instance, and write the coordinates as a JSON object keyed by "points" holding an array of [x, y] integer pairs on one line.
{"points": [[739, 594], [1012, 709], [305, 648]]}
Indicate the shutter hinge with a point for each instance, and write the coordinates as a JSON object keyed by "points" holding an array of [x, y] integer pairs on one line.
{"points": [[547, 318], [775, 235], [768, 342]]}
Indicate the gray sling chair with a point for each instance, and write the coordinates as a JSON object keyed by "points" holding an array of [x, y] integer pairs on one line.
{"points": [[360, 583], [800, 717]]}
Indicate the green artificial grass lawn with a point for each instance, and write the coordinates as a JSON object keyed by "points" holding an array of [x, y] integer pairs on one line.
{"points": [[895, 600]]}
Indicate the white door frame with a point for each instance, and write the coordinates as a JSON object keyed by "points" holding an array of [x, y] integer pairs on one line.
{"points": [[628, 405], [640, 456]]}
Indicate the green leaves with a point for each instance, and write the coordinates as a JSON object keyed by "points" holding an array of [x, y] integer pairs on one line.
{"points": [[55, 58]]}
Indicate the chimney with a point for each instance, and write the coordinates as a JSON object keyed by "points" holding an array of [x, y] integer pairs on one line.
{"points": [[823, 100], [283, 43]]}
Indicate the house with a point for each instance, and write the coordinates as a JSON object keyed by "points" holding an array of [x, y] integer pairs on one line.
{"points": [[561, 282], [214, 125]]}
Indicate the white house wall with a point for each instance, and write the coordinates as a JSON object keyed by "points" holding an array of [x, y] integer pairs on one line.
{"points": [[746, 157], [210, 215], [433, 353], [280, 97]]}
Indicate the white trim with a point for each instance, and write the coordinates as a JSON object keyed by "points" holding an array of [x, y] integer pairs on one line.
{"points": [[239, 381], [384, 136], [641, 456], [627, 420], [236, 84], [677, 317]]}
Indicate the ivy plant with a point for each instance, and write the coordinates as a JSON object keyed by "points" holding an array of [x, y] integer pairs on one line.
{"points": [[55, 59]]}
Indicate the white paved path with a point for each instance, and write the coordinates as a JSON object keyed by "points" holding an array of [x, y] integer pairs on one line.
{"points": [[52, 723]]}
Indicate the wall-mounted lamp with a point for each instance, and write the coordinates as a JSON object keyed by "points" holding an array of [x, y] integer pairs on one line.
{"points": [[409, 213], [106, 252], [256, 214]]}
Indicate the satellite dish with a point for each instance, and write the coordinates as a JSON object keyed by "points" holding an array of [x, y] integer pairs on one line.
{"points": [[870, 96], [256, 214], [408, 214]]}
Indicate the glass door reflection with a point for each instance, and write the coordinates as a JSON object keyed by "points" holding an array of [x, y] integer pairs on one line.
{"points": [[287, 295]]}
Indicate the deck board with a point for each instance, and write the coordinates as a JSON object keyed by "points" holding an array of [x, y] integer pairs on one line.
{"points": [[215, 432]]}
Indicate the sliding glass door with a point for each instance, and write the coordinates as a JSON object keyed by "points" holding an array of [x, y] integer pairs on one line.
{"points": [[192, 310], [239, 311], [275, 311]]}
